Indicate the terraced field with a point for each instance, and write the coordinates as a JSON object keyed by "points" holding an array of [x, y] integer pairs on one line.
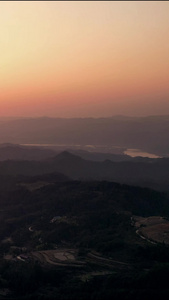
{"points": [[68, 258], [61, 257]]}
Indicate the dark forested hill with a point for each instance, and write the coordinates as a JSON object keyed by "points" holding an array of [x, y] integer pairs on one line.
{"points": [[77, 240], [152, 173]]}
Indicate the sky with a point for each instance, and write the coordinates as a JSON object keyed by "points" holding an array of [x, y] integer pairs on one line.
{"points": [[84, 58]]}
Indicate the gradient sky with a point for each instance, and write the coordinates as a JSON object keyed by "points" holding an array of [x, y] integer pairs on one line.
{"points": [[84, 58]]}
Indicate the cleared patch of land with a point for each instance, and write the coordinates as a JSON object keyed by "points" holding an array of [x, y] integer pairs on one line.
{"points": [[153, 228]]}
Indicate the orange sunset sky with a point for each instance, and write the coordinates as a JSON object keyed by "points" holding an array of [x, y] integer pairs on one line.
{"points": [[84, 58]]}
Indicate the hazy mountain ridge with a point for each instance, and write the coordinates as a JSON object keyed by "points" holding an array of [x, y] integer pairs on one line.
{"points": [[147, 133], [10, 151]]}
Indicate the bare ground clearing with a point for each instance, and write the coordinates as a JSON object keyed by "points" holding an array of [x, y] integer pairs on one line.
{"points": [[155, 228]]}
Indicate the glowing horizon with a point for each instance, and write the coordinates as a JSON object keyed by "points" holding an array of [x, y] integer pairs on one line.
{"points": [[95, 58]]}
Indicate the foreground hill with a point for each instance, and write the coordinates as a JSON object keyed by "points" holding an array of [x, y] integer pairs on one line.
{"points": [[77, 240]]}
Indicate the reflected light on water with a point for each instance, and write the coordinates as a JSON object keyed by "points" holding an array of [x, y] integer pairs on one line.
{"points": [[137, 152]]}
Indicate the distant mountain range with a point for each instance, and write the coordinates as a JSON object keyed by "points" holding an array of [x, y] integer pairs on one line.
{"points": [[17, 152], [10, 151], [150, 134]]}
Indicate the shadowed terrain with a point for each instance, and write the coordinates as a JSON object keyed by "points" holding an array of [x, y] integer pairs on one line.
{"points": [[146, 172], [79, 240]]}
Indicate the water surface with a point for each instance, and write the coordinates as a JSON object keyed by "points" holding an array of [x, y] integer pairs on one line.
{"points": [[137, 152]]}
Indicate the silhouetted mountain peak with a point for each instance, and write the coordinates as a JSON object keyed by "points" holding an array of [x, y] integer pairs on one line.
{"points": [[65, 155], [107, 162]]}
